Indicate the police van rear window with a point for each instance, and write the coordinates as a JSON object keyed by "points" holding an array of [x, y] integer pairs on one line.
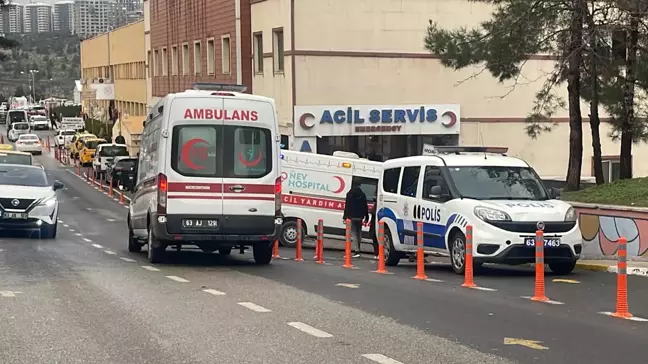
{"points": [[221, 151]]}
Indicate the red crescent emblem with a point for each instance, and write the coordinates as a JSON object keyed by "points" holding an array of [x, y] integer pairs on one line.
{"points": [[303, 123], [252, 163], [186, 153], [453, 119]]}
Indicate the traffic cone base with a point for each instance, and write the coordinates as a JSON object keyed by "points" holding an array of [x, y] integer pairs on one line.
{"points": [[621, 315], [469, 285], [540, 298]]}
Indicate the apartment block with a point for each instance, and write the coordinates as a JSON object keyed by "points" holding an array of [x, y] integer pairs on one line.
{"points": [[64, 17], [38, 18], [12, 18], [93, 17]]}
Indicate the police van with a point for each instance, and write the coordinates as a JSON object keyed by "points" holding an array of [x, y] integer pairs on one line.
{"points": [[502, 197], [314, 187], [208, 174]]}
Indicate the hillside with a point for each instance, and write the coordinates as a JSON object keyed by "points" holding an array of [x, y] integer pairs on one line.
{"points": [[55, 56]]}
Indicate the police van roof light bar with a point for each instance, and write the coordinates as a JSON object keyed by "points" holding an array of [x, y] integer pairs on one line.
{"points": [[208, 86], [463, 149]]}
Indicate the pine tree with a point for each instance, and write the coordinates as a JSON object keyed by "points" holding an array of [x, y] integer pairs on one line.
{"points": [[517, 31]]}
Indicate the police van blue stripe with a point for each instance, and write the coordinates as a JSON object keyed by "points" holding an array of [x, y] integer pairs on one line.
{"points": [[409, 226]]}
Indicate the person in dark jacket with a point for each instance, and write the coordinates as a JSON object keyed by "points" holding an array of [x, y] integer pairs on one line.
{"points": [[119, 139], [356, 209]]}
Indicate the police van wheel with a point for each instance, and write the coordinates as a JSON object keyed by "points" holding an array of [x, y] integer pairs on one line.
{"points": [[458, 252], [562, 268], [262, 253], [392, 257]]}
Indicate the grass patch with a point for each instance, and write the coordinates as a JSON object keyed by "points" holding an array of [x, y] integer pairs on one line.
{"points": [[630, 192]]}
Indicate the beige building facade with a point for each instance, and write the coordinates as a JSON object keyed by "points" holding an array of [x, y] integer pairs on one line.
{"points": [[117, 57], [328, 61]]}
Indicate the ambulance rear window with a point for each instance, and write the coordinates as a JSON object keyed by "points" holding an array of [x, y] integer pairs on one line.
{"points": [[217, 151]]}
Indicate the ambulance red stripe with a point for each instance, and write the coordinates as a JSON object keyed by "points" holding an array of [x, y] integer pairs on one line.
{"points": [[217, 187]]}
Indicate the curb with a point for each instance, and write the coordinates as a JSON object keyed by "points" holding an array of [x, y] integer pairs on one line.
{"points": [[635, 271]]}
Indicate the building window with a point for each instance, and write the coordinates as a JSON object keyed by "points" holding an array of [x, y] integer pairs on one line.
{"points": [[185, 59], [226, 53], [278, 50], [156, 56], [258, 52], [174, 60], [150, 62], [197, 58], [611, 168], [165, 69], [211, 56]]}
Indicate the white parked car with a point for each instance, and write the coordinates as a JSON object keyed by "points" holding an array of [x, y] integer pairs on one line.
{"points": [[29, 143], [39, 122], [106, 154], [64, 137], [27, 200]]}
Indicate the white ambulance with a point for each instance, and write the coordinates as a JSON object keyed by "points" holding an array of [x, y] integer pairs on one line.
{"points": [[208, 174], [502, 197], [315, 186]]}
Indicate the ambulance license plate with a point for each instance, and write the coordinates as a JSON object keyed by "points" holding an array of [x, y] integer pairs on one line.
{"points": [[199, 223], [548, 242]]}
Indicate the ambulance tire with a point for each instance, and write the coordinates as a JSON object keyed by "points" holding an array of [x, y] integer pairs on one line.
{"points": [[392, 257], [156, 251], [262, 253], [288, 234]]}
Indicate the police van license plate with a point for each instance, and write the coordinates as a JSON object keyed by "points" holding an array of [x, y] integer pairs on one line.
{"points": [[199, 223], [14, 215], [548, 242]]}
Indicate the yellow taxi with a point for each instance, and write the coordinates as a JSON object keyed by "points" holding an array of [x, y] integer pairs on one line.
{"points": [[77, 143], [88, 150], [6, 147], [14, 157]]}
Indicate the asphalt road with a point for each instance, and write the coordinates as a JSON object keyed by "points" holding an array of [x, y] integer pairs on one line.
{"points": [[83, 298]]}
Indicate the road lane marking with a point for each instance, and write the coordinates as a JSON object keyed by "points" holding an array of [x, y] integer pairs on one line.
{"points": [[309, 329], [87, 240], [484, 289], [177, 279], [434, 280], [149, 268], [381, 359], [347, 285], [72, 230], [66, 225], [109, 252], [111, 220], [254, 307], [97, 246], [551, 302], [570, 281], [88, 208], [531, 344], [9, 293], [78, 234], [128, 260], [214, 292], [631, 318]]}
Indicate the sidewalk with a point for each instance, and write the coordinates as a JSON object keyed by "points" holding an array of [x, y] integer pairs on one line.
{"points": [[637, 268]]}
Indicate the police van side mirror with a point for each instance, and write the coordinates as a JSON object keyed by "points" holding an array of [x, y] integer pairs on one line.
{"points": [[554, 193], [436, 193]]}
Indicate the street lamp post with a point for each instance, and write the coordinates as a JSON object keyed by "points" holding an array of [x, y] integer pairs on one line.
{"points": [[32, 78]]}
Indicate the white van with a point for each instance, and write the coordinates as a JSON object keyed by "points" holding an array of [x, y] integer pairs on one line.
{"points": [[315, 186], [105, 155], [208, 174], [502, 197]]}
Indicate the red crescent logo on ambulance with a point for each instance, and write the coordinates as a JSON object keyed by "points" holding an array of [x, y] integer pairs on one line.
{"points": [[342, 184], [253, 163], [191, 151], [453, 119], [303, 121]]}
